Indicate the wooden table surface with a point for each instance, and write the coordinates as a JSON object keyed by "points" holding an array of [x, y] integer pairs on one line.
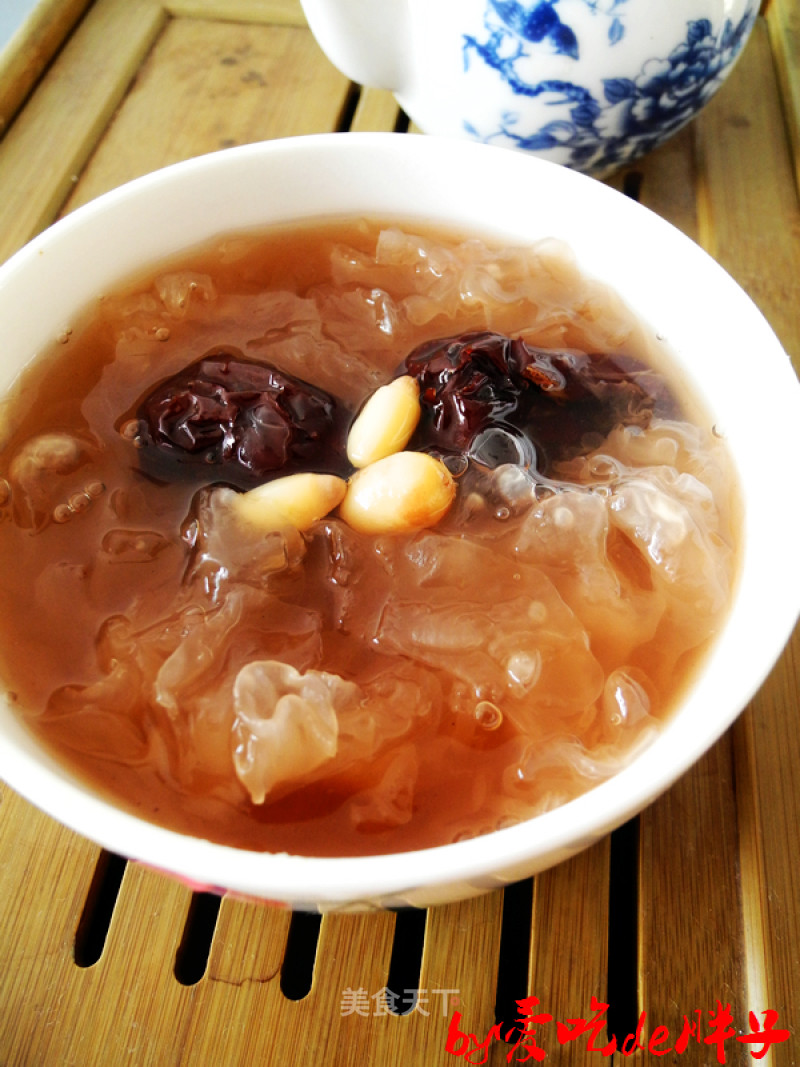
{"points": [[690, 908]]}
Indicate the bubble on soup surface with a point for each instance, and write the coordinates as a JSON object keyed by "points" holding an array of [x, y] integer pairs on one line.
{"points": [[133, 546], [62, 513], [488, 715], [498, 446]]}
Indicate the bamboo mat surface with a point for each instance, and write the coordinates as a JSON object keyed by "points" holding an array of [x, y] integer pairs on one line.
{"points": [[694, 904]]}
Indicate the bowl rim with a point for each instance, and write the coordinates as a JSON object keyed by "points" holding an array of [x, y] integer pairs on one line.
{"points": [[484, 861]]}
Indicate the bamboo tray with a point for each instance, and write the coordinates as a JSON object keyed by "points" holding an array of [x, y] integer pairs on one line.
{"points": [[695, 902]]}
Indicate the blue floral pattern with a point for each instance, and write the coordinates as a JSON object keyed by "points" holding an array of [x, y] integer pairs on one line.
{"points": [[632, 114]]}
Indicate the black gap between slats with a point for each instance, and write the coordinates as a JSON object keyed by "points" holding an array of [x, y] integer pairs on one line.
{"points": [[405, 964], [515, 945], [402, 123], [98, 909], [349, 106], [297, 970], [191, 959], [632, 184], [623, 910]]}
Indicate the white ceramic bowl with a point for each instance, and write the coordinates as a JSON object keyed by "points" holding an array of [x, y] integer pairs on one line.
{"points": [[712, 327]]}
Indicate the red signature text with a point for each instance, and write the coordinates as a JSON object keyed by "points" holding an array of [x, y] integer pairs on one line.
{"points": [[714, 1029]]}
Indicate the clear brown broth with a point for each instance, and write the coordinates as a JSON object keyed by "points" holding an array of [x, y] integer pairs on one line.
{"points": [[123, 557]]}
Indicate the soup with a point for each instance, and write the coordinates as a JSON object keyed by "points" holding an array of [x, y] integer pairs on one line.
{"points": [[345, 683]]}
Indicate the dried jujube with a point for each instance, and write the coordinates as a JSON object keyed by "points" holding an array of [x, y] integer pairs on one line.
{"points": [[241, 422], [555, 399]]}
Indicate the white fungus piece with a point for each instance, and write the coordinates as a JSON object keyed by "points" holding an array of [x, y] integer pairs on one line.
{"points": [[625, 700], [179, 289], [495, 639], [671, 518], [287, 723], [228, 549], [202, 635], [391, 801], [50, 453], [39, 470], [617, 613]]}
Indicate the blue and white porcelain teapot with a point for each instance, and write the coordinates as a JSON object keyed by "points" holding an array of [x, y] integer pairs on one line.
{"points": [[592, 84]]}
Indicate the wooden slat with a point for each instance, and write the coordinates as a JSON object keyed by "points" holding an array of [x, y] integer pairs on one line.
{"points": [[45, 873], [694, 903], [30, 50], [128, 1007], [249, 944], [769, 748], [750, 220], [689, 896], [54, 1011], [275, 12], [353, 954], [52, 141], [665, 181], [761, 962], [745, 207], [377, 111], [749, 216], [209, 85], [569, 947], [783, 17], [462, 947]]}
